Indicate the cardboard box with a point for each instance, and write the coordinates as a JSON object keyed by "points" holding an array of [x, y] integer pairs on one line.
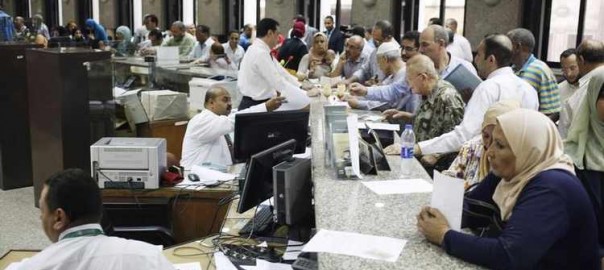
{"points": [[165, 105]]}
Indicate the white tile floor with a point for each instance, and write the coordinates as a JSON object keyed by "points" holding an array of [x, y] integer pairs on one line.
{"points": [[20, 226]]}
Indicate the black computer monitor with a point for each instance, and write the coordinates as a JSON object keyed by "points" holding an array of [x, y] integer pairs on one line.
{"points": [[255, 132], [258, 185]]}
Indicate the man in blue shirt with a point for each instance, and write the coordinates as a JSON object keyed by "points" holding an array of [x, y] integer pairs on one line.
{"points": [[246, 36], [7, 29]]}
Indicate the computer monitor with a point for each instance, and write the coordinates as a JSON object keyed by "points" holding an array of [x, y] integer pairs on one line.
{"points": [[258, 185], [255, 132]]}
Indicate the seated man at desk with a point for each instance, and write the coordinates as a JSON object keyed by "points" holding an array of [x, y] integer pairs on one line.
{"points": [[181, 39], [71, 208], [156, 38], [201, 51], [207, 137]]}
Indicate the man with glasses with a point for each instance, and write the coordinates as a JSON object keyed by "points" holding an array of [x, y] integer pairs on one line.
{"points": [[354, 59], [396, 94]]}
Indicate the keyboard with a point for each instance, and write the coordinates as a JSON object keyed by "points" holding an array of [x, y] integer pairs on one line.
{"points": [[263, 218]]}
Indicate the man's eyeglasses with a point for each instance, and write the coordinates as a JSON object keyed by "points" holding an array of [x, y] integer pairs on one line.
{"points": [[409, 49]]}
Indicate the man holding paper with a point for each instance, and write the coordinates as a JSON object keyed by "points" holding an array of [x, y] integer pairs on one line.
{"points": [[493, 60]]}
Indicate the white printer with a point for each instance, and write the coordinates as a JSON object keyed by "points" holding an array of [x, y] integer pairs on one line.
{"points": [[131, 163]]}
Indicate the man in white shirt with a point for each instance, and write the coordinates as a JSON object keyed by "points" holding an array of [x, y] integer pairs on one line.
{"points": [[570, 72], [206, 139], [590, 56], [201, 51], [71, 208], [261, 76], [150, 22], [433, 43], [460, 43], [233, 50], [493, 60]]}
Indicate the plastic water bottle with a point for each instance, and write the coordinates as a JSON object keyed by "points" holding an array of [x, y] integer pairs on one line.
{"points": [[407, 144]]}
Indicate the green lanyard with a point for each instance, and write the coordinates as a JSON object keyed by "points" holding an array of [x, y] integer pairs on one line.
{"points": [[85, 232]]}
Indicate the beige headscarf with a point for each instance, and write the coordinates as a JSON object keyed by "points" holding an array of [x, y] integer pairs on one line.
{"points": [[490, 118], [585, 140], [535, 142]]}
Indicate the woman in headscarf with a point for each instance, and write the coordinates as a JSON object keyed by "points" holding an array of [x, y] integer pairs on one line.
{"points": [[98, 32], [124, 46], [549, 221], [585, 145], [469, 164], [318, 61]]}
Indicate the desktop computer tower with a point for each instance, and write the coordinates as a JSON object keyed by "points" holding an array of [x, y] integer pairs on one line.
{"points": [[292, 187]]}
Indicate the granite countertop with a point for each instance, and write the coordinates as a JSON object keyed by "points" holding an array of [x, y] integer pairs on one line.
{"points": [[347, 205]]}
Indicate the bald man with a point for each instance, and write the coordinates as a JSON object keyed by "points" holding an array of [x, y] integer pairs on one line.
{"points": [[20, 28], [433, 43], [355, 57], [493, 60], [206, 136], [460, 44]]}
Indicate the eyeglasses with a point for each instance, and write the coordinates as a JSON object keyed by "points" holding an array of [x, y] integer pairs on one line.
{"points": [[409, 49]]}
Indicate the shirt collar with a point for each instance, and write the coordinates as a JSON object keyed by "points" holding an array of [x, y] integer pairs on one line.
{"points": [[261, 44], [529, 61], [501, 71], [79, 228]]}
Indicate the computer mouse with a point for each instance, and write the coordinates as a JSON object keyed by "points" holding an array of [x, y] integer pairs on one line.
{"points": [[193, 177]]}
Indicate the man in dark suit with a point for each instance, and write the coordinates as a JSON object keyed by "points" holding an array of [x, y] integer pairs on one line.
{"points": [[334, 35]]}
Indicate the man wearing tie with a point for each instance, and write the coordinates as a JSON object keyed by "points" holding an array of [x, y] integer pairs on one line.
{"points": [[334, 35]]}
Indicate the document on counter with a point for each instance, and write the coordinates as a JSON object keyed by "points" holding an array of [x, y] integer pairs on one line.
{"points": [[360, 245], [187, 266], [213, 175], [448, 198], [404, 186], [294, 248], [222, 262], [352, 121], [379, 126]]}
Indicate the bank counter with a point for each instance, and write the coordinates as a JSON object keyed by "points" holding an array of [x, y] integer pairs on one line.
{"points": [[349, 206]]}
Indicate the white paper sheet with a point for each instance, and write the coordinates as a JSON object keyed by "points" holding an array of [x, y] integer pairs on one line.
{"points": [[266, 265], [211, 175], [355, 244], [448, 198], [378, 126], [353, 137], [187, 266], [405, 186], [294, 248], [222, 262]]}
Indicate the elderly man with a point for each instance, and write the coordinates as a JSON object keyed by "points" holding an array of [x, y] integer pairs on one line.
{"points": [[261, 76], [370, 72], [535, 72], [207, 136], [394, 91], [493, 60], [191, 29], [21, 30], [71, 209], [201, 52], [460, 43], [353, 59], [590, 56], [433, 43], [181, 39]]}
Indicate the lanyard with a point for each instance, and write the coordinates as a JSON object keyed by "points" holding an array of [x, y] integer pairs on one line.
{"points": [[85, 232]]}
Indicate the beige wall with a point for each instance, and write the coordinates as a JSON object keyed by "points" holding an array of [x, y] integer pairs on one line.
{"points": [[107, 16], [482, 19], [69, 11], [282, 11], [209, 12], [154, 7], [37, 7], [368, 15]]}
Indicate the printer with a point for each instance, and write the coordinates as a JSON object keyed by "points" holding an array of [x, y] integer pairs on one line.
{"points": [[130, 163]]}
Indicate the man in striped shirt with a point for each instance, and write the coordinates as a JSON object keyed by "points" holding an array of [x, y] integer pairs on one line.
{"points": [[535, 72]]}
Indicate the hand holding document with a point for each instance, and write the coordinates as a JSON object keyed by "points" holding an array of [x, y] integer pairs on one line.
{"points": [[447, 197], [356, 244]]}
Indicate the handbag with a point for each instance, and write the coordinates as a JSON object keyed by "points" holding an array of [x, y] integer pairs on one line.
{"points": [[483, 211]]}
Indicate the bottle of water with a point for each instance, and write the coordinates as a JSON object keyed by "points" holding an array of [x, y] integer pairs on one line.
{"points": [[407, 144]]}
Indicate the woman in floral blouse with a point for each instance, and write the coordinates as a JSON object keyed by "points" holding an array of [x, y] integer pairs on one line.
{"points": [[469, 165]]}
